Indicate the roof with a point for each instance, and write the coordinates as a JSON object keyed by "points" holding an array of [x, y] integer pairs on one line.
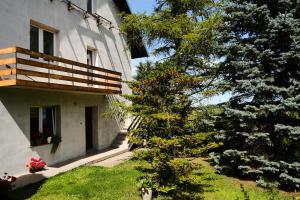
{"points": [[138, 49]]}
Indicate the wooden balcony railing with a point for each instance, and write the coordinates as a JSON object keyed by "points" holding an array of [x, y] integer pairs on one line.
{"points": [[24, 68]]}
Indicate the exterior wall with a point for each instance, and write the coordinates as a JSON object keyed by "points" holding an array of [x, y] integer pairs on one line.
{"points": [[15, 150], [75, 35]]}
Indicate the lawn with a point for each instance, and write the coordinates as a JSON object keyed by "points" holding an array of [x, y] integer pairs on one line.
{"points": [[118, 183], [219, 187]]}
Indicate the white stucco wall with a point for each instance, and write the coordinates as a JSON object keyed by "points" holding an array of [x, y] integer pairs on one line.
{"points": [[75, 35], [15, 149]]}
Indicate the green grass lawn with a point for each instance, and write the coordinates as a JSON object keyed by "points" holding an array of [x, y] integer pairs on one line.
{"points": [[219, 187], [119, 183]]}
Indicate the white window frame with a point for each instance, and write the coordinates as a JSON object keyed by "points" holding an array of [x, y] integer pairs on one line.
{"points": [[55, 132], [41, 38], [93, 51]]}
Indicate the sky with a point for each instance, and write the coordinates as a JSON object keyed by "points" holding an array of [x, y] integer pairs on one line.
{"points": [[141, 6]]}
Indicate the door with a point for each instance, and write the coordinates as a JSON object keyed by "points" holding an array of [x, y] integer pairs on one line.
{"points": [[89, 127]]}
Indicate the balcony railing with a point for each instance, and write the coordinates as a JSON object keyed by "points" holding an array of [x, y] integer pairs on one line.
{"points": [[24, 68]]}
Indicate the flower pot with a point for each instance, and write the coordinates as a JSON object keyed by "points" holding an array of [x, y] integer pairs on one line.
{"points": [[49, 139], [147, 194]]}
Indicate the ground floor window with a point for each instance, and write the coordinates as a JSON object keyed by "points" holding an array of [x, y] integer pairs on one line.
{"points": [[43, 124]]}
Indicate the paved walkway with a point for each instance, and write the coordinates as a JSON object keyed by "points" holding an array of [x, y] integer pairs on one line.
{"points": [[111, 162], [28, 178]]}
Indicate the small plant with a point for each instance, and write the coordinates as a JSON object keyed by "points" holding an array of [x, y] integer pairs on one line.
{"points": [[36, 165], [145, 183], [55, 141], [6, 184]]}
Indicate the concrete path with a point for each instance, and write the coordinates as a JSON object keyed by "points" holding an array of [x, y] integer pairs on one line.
{"points": [[111, 162], [28, 178]]}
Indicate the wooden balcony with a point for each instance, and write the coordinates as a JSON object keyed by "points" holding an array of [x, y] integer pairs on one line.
{"points": [[20, 67]]}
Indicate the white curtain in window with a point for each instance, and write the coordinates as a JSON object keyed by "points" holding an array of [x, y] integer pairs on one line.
{"points": [[54, 120]]}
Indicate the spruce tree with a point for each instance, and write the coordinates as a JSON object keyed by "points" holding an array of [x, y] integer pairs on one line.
{"points": [[182, 31], [260, 53]]}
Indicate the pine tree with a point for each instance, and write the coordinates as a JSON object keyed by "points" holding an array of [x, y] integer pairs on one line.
{"points": [[182, 31], [260, 49]]}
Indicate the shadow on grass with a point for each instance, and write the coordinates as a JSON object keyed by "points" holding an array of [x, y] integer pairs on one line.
{"points": [[25, 192], [187, 190]]}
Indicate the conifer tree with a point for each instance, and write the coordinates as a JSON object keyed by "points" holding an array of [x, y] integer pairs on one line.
{"points": [[182, 31], [260, 49]]}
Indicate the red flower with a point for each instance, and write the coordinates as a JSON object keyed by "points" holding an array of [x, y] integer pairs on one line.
{"points": [[36, 165]]}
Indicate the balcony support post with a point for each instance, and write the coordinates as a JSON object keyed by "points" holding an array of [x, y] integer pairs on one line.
{"points": [[106, 80], [16, 56], [49, 73], [73, 75]]}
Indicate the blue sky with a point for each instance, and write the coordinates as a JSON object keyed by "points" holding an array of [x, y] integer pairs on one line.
{"points": [[141, 6]]}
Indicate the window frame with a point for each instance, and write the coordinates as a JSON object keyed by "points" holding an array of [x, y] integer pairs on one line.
{"points": [[90, 54], [44, 43], [41, 40], [31, 38], [55, 123]]}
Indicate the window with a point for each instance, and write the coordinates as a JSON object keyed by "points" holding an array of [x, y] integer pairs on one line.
{"points": [[41, 40], [34, 38], [89, 6], [43, 124], [89, 57], [90, 61], [48, 43]]}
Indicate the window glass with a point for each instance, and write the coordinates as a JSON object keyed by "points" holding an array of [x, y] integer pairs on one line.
{"points": [[48, 43], [43, 124], [48, 121], [89, 57], [89, 6], [34, 38], [34, 126]]}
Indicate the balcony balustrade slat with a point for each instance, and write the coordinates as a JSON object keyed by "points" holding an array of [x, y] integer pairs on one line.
{"points": [[7, 61], [7, 72], [64, 87], [64, 78], [63, 69], [8, 50]]}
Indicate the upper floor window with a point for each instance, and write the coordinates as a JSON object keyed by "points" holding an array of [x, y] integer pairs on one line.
{"points": [[41, 40], [90, 56], [89, 6], [48, 42], [34, 38]]}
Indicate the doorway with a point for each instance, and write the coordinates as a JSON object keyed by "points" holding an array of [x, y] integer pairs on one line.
{"points": [[89, 128]]}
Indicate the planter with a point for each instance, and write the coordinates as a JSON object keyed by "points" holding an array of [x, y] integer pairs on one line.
{"points": [[147, 194], [49, 139]]}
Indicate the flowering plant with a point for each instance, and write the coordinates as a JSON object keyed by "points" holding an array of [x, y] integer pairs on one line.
{"points": [[6, 184], [36, 165]]}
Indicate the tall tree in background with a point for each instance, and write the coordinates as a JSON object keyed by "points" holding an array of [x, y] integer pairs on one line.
{"points": [[182, 32], [260, 43]]}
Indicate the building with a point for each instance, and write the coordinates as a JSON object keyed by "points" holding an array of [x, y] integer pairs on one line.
{"points": [[63, 89]]}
